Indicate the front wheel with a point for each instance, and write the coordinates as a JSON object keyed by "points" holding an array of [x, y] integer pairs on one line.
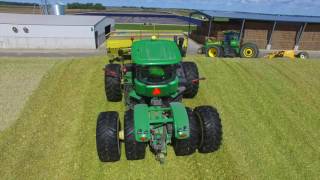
{"points": [[113, 82], [249, 50], [211, 129], [214, 51]]}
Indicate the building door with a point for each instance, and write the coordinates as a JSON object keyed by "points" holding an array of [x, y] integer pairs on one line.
{"points": [[96, 37], [107, 30]]}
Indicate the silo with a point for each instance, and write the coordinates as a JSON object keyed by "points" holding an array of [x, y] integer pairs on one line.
{"points": [[57, 9]]}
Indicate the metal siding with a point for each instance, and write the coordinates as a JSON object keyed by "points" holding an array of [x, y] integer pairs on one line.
{"points": [[48, 43], [51, 20], [51, 32], [48, 31], [47, 37], [100, 27]]}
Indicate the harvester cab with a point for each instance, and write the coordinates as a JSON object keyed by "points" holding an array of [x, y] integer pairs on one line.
{"points": [[153, 85]]}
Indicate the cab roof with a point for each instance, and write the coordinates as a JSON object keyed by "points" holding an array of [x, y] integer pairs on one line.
{"points": [[155, 52]]}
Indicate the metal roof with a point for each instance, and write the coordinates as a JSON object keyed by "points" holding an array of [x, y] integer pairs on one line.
{"points": [[260, 16], [50, 20]]}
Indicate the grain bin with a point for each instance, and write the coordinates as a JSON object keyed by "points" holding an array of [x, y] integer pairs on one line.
{"points": [[57, 9]]}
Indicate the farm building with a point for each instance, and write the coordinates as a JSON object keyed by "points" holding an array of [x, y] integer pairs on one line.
{"points": [[29, 31], [271, 32]]}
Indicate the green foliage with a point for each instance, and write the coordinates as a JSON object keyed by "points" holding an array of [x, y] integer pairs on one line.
{"points": [[269, 111], [97, 6]]}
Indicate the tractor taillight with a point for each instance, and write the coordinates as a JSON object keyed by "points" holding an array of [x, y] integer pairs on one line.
{"points": [[183, 135], [156, 91]]}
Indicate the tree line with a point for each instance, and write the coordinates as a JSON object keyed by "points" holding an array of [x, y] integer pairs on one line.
{"points": [[97, 6], [16, 3]]}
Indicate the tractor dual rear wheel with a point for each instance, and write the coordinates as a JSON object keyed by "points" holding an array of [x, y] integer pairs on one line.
{"points": [[107, 136], [211, 128], [183, 147], [134, 150], [113, 82], [249, 50]]}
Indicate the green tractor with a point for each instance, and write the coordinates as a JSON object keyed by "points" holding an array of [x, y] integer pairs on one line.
{"points": [[230, 47], [153, 85]]}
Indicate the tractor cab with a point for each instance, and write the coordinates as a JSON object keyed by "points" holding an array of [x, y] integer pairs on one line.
{"points": [[231, 38], [156, 62], [156, 74]]}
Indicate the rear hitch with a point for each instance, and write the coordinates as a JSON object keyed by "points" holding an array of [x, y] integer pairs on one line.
{"points": [[199, 79], [161, 157]]}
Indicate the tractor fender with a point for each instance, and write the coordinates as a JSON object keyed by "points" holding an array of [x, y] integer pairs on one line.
{"points": [[141, 122], [180, 120]]}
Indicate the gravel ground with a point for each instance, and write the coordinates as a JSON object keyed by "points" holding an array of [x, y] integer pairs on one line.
{"points": [[193, 46]]}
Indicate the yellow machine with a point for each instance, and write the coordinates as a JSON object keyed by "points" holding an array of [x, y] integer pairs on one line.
{"points": [[288, 54], [122, 40]]}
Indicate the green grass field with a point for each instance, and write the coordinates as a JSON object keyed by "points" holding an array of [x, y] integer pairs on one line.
{"points": [[269, 110], [151, 27], [19, 77]]}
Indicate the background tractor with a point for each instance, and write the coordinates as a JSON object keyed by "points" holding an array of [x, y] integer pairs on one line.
{"points": [[152, 85], [229, 47]]}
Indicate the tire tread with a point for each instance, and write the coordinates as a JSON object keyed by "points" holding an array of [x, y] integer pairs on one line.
{"points": [[211, 128]]}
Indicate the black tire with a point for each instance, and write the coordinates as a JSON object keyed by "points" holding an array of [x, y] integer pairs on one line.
{"points": [[134, 150], [249, 50], [211, 129], [183, 147], [107, 136], [191, 73], [303, 55], [113, 82], [183, 51], [214, 51]]}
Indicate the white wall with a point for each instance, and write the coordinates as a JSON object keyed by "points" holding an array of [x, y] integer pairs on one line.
{"points": [[47, 37], [100, 27]]}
